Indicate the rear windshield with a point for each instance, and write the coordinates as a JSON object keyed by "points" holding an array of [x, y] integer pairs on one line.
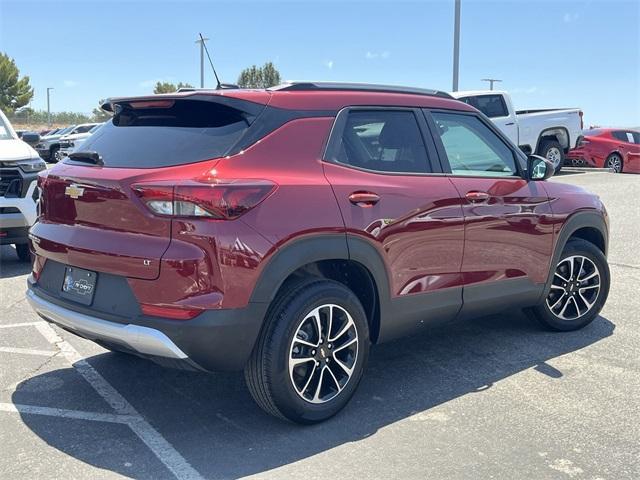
{"points": [[151, 134]]}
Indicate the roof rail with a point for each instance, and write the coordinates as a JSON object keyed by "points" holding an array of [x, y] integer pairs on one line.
{"points": [[356, 87], [223, 86]]}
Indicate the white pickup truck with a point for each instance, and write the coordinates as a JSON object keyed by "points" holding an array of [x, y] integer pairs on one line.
{"points": [[550, 133]]}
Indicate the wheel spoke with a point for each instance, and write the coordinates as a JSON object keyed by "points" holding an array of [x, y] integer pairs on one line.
{"points": [[306, 384], [557, 287], [589, 287], [586, 302], [294, 362], [344, 367], [330, 322], [564, 308], [342, 347], [304, 342], [335, 380], [558, 301], [561, 277], [343, 330], [316, 395], [316, 320], [590, 276]]}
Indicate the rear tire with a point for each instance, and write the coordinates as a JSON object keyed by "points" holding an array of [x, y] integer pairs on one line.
{"points": [[320, 320], [553, 151], [23, 252], [614, 162], [579, 288]]}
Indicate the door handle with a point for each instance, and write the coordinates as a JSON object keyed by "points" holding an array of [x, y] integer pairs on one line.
{"points": [[510, 123], [477, 197], [364, 199]]}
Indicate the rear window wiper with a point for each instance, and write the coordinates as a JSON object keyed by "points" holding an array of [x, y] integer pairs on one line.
{"points": [[87, 157]]}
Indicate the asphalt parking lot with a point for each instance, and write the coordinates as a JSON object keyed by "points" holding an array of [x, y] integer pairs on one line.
{"points": [[496, 397]]}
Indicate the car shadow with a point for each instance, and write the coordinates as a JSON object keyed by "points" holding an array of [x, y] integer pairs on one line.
{"points": [[212, 421], [10, 265]]}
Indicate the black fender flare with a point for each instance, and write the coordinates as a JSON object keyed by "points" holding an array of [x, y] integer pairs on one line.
{"points": [[581, 219], [329, 246]]}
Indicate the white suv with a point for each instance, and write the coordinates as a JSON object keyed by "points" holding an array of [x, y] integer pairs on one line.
{"points": [[19, 167]]}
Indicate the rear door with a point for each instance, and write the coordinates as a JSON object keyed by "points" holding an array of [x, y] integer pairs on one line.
{"points": [[393, 195], [508, 227]]}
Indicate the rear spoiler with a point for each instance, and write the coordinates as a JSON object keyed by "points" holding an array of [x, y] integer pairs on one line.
{"points": [[252, 105]]}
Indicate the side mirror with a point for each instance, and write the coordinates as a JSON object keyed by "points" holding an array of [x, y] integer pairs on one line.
{"points": [[539, 168], [31, 138]]}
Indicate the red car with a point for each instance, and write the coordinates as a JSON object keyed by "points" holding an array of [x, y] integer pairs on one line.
{"points": [[612, 148], [284, 231]]}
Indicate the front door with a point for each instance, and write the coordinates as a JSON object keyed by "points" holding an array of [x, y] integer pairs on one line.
{"points": [[508, 227], [382, 174]]}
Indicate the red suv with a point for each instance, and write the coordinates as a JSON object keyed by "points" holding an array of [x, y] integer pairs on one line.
{"points": [[284, 231]]}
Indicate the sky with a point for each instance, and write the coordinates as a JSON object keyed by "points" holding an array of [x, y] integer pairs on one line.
{"points": [[548, 53]]}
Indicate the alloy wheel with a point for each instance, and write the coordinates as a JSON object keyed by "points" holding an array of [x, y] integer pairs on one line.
{"points": [[554, 156], [323, 353], [615, 163], [575, 288]]}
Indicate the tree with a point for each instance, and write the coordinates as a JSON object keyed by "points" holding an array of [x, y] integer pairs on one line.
{"points": [[15, 92], [259, 77], [100, 115], [168, 87]]}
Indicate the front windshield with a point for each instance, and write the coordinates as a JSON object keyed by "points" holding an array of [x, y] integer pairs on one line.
{"points": [[5, 133], [65, 130]]}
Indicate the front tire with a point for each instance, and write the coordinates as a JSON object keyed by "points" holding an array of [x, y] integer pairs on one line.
{"points": [[578, 290], [311, 354], [614, 162]]}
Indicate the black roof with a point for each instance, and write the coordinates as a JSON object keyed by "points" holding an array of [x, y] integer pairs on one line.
{"points": [[357, 87]]}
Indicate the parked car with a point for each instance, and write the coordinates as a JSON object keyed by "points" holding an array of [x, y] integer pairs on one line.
{"points": [[614, 148], [69, 142], [49, 146], [284, 231], [19, 165], [550, 133]]}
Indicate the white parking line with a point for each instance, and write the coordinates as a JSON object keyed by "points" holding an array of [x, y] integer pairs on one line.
{"points": [[28, 351], [22, 324], [161, 448], [64, 413]]}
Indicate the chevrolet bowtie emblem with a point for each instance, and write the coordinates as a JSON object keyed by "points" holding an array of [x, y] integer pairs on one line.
{"points": [[74, 191]]}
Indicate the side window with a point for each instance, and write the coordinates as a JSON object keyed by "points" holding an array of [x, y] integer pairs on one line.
{"points": [[491, 105], [383, 140], [622, 136], [473, 148]]}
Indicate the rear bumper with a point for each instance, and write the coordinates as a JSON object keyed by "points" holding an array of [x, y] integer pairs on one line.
{"points": [[144, 340], [214, 340]]}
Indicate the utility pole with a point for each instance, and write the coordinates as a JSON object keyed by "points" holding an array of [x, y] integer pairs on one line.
{"points": [[201, 42], [456, 46], [491, 82], [48, 107]]}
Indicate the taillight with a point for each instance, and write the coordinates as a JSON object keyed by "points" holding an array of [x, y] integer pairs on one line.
{"points": [[582, 142], [581, 113], [219, 199]]}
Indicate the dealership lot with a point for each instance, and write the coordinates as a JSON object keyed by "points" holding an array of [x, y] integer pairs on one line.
{"points": [[479, 399]]}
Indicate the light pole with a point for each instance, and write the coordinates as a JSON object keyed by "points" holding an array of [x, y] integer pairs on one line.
{"points": [[491, 82], [201, 41], [48, 107], [456, 46]]}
